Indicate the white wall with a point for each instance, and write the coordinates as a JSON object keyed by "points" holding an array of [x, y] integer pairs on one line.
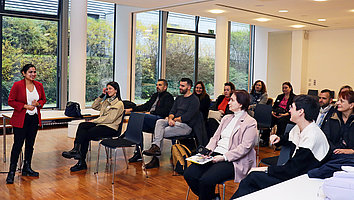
{"points": [[331, 59], [279, 61]]}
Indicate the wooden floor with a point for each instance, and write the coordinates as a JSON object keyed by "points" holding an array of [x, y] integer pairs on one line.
{"points": [[57, 182]]}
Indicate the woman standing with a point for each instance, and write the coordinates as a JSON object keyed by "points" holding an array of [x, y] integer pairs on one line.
{"points": [[231, 147], [27, 97], [204, 99], [111, 110]]}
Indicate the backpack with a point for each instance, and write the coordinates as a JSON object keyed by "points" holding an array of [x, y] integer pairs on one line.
{"points": [[179, 154], [73, 109]]}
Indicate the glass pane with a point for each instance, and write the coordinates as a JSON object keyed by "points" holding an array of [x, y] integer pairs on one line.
{"points": [[239, 55], [207, 25], [179, 60], [181, 21], [49, 7], [29, 41], [206, 64], [147, 29], [100, 37]]}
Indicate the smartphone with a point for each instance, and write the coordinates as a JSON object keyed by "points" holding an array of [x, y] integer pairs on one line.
{"points": [[204, 151]]}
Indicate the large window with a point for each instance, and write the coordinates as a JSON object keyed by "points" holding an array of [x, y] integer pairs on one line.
{"points": [[146, 72], [26, 41], [239, 55], [100, 40]]}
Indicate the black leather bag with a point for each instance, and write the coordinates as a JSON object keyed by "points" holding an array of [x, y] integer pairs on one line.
{"points": [[279, 110], [73, 109]]}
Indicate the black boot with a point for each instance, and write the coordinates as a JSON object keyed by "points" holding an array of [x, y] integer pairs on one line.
{"points": [[27, 170], [11, 175], [154, 163], [136, 157], [73, 153], [81, 165]]}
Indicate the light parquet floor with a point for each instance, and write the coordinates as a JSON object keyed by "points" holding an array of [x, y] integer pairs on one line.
{"points": [[56, 181]]}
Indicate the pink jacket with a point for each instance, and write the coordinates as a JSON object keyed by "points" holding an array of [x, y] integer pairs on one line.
{"points": [[241, 145]]}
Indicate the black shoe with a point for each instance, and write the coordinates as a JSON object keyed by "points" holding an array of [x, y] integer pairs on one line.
{"points": [[136, 158], [154, 163], [81, 165], [73, 153], [153, 151], [28, 171], [10, 177], [278, 148]]}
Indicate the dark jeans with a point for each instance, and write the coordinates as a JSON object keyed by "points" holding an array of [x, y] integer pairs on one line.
{"points": [[148, 126], [281, 124], [253, 182], [28, 133], [90, 131], [202, 179]]}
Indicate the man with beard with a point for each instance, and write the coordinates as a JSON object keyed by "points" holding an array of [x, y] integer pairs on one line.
{"points": [[326, 107], [180, 121], [158, 107]]}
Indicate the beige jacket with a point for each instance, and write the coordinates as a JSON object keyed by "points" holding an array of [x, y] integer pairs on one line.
{"points": [[111, 113], [241, 145]]}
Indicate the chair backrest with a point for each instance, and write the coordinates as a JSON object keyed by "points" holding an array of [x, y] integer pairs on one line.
{"points": [[120, 127], [285, 150], [312, 92], [135, 127], [263, 115]]}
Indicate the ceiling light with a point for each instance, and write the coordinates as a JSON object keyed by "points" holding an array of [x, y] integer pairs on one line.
{"points": [[262, 19], [321, 20], [216, 11], [320, 0], [352, 10], [283, 11], [297, 26]]}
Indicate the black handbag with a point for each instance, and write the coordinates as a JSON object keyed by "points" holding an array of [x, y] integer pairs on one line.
{"points": [[73, 109], [279, 110]]}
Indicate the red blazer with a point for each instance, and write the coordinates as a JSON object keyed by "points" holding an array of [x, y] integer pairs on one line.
{"points": [[18, 98]]}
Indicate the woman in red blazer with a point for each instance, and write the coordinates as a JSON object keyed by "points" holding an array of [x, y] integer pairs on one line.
{"points": [[27, 97]]}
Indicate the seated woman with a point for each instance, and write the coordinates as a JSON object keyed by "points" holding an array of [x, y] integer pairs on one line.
{"points": [[231, 147], [280, 114], [258, 96], [204, 99], [339, 131], [222, 107], [111, 110]]}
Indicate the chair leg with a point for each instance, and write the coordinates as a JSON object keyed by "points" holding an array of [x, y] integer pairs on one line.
{"points": [[98, 157], [189, 188], [142, 159], [125, 157], [114, 165]]}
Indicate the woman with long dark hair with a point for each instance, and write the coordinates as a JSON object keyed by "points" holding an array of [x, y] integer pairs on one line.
{"points": [[258, 96], [204, 99], [27, 97], [111, 110]]}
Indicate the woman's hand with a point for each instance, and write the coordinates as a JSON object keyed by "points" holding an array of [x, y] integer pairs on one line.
{"points": [[35, 103], [218, 158], [274, 115], [28, 107], [283, 115], [274, 139], [104, 90], [343, 151]]}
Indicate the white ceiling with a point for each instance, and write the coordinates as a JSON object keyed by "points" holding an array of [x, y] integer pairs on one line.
{"points": [[306, 12]]}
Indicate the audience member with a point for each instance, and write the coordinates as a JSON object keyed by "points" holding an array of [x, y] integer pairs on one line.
{"points": [[222, 107], [280, 114], [308, 140], [345, 88], [232, 148], [111, 110], [258, 96], [326, 108], [158, 107], [340, 133], [27, 97], [183, 115], [204, 99]]}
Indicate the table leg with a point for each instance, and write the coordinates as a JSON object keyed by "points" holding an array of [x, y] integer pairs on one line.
{"points": [[4, 136]]}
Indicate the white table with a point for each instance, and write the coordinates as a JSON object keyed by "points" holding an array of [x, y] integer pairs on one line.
{"points": [[49, 116], [298, 188]]}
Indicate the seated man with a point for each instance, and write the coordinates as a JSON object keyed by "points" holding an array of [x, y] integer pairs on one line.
{"points": [[158, 107], [326, 107], [311, 149], [182, 117]]}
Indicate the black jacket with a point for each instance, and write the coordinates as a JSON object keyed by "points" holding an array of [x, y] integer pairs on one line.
{"points": [[218, 102], [163, 107], [280, 97], [329, 114]]}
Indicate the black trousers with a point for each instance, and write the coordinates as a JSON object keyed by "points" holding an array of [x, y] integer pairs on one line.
{"points": [[281, 124], [253, 182], [90, 131], [202, 179], [211, 126], [26, 134]]}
